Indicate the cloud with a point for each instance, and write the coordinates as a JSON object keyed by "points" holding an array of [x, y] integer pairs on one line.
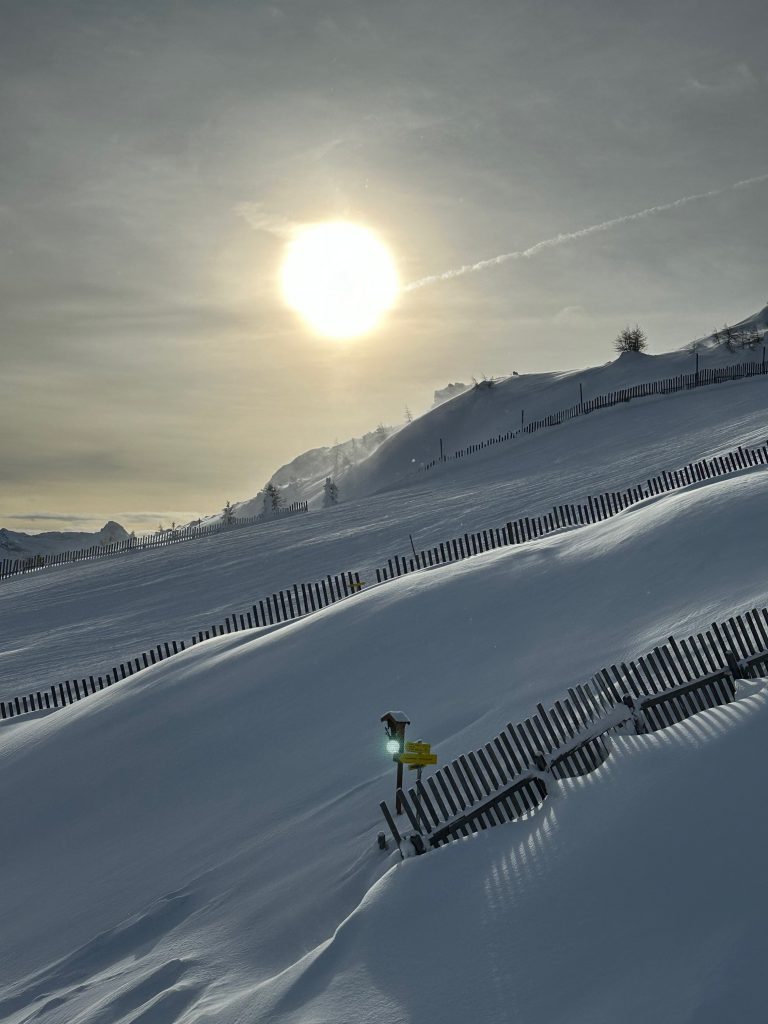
{"points": [[261, 219], [551, 243], [570, 315], [730, 82]]}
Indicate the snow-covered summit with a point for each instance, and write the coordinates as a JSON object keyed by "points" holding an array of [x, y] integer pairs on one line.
{"points": [[27, 545]]}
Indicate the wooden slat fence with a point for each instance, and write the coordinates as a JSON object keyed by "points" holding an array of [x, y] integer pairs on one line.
{"points": [[508, 777], [17, 566], [299, 600], [667, 386], [594, 510]]}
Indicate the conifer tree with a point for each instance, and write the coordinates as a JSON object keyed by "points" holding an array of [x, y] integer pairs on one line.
{"points": [[273, 499], [228, 515], [631, 339], [330, 493]]}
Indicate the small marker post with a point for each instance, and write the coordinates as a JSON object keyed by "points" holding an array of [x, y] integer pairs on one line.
{"points": [[394, 726]]}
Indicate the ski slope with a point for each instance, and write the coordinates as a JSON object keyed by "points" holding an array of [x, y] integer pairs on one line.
{"points": [[198, 843], [81, 619]]}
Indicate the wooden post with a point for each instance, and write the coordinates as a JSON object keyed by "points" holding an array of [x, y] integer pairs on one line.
{"points": [[733, 665]]}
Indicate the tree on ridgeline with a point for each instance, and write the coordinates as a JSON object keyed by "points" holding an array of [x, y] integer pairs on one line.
{"points": [[273, 499], [753, 338], [728, 338], [228, 515], [631, 339], [330, 493]]}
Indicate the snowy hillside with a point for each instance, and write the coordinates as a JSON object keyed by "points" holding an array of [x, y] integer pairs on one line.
{"points": [[485, 412], [198, 843], [747, 329], [461, 416], [118, 608], [302, 478]]}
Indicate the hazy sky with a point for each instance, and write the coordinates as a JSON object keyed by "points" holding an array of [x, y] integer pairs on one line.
{"points": [[155, 156]]}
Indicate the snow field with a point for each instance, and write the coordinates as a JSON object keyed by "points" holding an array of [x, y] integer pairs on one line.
{"points": [[80, 620], [213, 819]]}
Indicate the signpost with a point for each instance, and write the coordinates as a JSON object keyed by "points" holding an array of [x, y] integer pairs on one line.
{"points": [[414, 754], [418, 760]]}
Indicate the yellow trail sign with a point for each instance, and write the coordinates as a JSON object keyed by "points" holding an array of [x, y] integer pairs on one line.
{"points": [[418, 759], [418, 748]]}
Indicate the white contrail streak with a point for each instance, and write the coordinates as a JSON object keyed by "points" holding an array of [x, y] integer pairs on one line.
{"points": [[548, 243]]}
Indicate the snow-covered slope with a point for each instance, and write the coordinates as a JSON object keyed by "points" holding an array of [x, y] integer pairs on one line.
{"points": [[635, 896], [181, 839], [82, 619], [757, 324], [386, 457], [486, 412], [302, 478]]}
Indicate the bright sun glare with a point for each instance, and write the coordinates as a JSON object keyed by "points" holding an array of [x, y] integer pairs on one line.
{"points": [[340, 279]]}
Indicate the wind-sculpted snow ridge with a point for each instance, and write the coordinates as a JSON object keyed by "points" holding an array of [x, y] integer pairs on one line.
{"points": [[634, 894], [303, 599], [269, 613], [568, 516], [511, 775]]}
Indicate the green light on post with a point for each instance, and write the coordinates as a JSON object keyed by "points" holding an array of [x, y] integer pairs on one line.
{"points": [[393, 746]]}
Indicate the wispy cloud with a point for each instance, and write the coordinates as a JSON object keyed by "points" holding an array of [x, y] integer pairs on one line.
{"points": [[570, 315], [261, 219], [731, 82], [571, 236]]}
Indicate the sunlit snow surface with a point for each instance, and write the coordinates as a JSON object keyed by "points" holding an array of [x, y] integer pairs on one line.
{"points": [[199, 842]]}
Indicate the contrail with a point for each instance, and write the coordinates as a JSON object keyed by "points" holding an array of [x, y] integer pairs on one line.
{"points": [[548, 243]]}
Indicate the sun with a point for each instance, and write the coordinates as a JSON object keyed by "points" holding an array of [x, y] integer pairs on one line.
{"points": [[340, 278]]}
